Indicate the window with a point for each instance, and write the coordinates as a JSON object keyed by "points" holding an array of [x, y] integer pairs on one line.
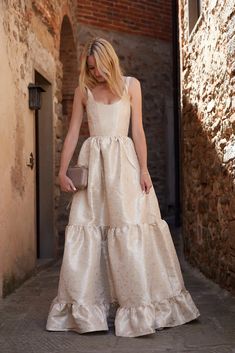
{"points": [[194, 11]]}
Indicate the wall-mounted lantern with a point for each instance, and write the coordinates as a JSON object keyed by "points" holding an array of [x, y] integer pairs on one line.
{"points": [[35, 96]]}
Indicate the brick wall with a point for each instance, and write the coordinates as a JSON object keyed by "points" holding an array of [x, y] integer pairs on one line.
{"points": [[147, 17], [69, 61]]}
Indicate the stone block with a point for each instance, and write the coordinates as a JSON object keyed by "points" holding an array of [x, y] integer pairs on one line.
{"points": [[232, 234], [229, 152], [232, 207]]}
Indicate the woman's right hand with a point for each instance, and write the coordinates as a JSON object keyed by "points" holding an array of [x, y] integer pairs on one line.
{"points": [[66, 183]]}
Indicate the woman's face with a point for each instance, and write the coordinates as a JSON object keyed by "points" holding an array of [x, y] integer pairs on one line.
{"points": [[91, 63]]}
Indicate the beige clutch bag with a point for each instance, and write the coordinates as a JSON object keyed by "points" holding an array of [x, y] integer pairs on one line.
{"points": [[79, 176]]}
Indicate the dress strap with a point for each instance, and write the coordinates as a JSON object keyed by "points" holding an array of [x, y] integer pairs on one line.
{"points": [[88, 91], [127, 81]]}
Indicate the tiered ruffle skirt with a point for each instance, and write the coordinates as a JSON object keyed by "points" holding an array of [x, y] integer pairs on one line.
{"points": [[118, 252]]}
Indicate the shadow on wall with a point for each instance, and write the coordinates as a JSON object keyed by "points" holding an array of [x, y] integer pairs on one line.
{"points": [[208, 197]]}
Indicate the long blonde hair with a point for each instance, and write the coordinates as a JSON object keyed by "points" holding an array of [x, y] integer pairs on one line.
{"points": [[107, 62]]}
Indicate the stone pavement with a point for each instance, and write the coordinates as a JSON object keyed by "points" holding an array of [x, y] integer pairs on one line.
{"points": [[24, 312]]}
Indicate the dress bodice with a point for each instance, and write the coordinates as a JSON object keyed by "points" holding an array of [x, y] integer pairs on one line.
{"points": [[109, 119]]}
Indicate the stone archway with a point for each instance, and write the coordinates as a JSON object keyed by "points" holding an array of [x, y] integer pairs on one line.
{"points": [[67, 81]]}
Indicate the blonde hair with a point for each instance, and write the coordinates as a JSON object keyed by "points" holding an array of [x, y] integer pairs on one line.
{"points": [[107, 63]]}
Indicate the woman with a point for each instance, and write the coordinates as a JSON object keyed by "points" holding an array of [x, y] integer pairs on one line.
{"points": [[118, 251]]}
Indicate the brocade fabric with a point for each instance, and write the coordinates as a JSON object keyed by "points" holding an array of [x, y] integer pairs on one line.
{"points": [[118, 250]]}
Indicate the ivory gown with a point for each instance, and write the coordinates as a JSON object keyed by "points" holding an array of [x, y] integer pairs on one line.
{"points": [[117, 250]]}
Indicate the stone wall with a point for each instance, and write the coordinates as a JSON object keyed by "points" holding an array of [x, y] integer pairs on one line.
{"points": [[208, 141]]}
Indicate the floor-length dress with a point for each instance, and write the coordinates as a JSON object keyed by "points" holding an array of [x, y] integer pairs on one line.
{"points": [[118, 251]]}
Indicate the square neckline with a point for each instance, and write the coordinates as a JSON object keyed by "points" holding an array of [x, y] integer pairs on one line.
{"points": [[109, 104]]}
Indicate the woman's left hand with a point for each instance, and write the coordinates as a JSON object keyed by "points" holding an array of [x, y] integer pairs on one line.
{"points": [[145, 181]]}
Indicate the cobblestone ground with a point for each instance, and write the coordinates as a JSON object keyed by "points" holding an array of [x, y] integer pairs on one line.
{"points": [[24, 312]]}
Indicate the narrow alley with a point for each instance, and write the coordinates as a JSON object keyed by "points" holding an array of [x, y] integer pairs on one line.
{"points": [[175, 60]]}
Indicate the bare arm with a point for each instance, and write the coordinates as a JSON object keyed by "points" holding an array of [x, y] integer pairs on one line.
{"points": [[71, 140], [138, 133]]}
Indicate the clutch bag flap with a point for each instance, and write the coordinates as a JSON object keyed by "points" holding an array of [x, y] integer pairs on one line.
{"points": [[78, 175]]}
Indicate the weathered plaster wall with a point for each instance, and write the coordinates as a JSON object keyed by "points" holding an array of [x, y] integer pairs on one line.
{"points": [[17, 245], [208, 140], [23, 50]]}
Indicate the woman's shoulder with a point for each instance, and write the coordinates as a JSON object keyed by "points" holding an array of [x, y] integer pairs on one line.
{"points": [[132, 83], [132, 80], [81, 95]]}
